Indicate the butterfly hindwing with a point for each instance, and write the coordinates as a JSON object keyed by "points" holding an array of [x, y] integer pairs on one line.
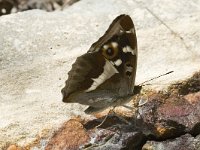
{"points": [[107, 71]]}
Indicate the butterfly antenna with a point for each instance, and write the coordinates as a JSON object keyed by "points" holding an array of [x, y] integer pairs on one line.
{"points": [[142, 84]]}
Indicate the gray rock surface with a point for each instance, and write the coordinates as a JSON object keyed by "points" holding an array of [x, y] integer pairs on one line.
{"points": [[184, 142], [37, 49]]}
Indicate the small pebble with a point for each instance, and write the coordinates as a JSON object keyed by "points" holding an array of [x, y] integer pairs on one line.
{"points": [[12, 147]]}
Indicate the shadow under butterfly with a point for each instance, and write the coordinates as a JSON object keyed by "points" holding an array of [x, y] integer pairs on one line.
{"points": [[105, 75]]}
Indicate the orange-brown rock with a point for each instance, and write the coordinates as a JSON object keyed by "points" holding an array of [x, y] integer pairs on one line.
{"points": [[70, 136]]}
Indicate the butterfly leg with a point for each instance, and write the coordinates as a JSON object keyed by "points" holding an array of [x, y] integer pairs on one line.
{"points": [[104, 118], [120, 117], [128, 107], [140, 104], [113, 113], [138, 113]]}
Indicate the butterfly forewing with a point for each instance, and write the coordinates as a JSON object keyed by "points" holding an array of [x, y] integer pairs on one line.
{"points": [[107, 71]]}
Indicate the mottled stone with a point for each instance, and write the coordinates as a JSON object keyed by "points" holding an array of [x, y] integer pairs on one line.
{"points": [[70, 136], [184, 142], [113, 134], [168, 115], [12, 147]]}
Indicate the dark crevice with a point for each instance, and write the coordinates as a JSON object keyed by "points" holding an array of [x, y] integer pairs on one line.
{"points": [[175, 130], [175, 134], [195, 130]]}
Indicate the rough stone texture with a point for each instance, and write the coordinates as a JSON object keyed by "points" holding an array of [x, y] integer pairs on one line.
{"points": [[12, 147], [113, 134], [13, 6], [170, 114], [185, 142], [71, 136], [117, 141], [37, 49]]}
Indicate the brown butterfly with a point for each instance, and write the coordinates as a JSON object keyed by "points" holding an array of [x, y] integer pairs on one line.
{"points": [[105, 75]]}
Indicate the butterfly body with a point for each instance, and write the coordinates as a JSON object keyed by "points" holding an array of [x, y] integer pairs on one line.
{"points": [[105, 75]]}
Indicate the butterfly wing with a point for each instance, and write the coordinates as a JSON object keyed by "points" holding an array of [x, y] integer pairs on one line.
{"points": [[107, 71]]}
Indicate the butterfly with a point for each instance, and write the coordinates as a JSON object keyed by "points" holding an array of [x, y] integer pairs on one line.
{"points": [[105, 75]]}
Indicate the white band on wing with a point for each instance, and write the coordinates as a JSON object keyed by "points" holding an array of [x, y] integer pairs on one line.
{"points": [[109, 71]]}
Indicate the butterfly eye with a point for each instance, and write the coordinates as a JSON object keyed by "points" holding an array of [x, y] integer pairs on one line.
{"points": [[111, 50]]}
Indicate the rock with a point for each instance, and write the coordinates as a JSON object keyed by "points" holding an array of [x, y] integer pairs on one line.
{"points": [[118, 141], [71, 136], [171, 114], [38, 48], [13, 6], [12, 147], [109, 136], [185, 142]]}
